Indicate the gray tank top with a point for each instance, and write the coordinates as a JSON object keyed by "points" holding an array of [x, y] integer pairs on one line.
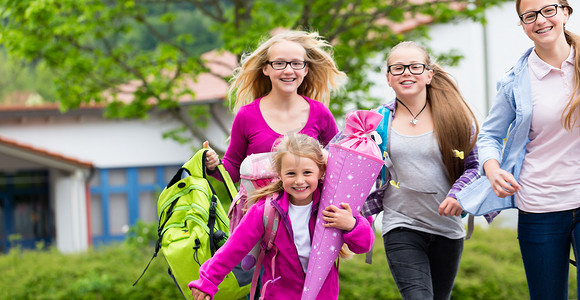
{"points": [[423, 185]]}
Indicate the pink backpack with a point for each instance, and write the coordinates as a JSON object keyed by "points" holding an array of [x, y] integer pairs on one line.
{"points": [[255, 172]]}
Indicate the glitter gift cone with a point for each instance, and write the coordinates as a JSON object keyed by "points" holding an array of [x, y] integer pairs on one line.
{"points": [[354, 162]]}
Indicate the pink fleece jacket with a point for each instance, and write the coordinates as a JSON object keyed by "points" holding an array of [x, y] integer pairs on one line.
{"points": [[290, 277]]}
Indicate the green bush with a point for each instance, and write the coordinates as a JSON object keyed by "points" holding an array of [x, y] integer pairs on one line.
{"points": [[491, 268], [103, 273]]}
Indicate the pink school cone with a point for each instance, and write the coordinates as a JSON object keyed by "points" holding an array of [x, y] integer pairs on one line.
{"points": [[353, 165]]}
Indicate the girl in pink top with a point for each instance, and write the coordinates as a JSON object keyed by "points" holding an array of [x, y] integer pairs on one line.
{"points": [[300, 163], [273, 91]]}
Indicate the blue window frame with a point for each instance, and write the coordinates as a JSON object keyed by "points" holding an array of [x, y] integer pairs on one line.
{"points": [[117, 196]]}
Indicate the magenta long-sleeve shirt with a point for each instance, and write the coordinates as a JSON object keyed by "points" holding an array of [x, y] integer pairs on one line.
{"points": [[251, 134]]}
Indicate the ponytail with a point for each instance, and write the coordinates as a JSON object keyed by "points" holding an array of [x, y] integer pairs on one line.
{"points": [[454, 123]]}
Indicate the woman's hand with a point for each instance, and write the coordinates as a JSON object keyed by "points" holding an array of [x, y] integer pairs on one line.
{"points": [[211, 158], [339, 218], [199, 295], [450, 207], [502, 182]]}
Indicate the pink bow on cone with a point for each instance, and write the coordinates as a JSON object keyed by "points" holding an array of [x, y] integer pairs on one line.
{"points": [[359, 125]]}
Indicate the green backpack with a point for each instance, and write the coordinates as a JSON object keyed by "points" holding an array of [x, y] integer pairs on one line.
{"points": [[193, 225]]}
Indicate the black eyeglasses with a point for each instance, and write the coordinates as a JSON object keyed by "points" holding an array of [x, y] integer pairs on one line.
{"points": [[398, 69], [281, 65], [547, 11]]}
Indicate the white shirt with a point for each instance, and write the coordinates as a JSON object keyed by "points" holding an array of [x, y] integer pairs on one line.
{"points": [[299, 217], [550, 175]]}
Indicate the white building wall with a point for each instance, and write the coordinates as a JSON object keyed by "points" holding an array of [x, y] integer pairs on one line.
{"points": [[111, 143]]}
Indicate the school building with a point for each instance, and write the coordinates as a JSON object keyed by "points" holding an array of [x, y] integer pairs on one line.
{"points": [[76, 179]]}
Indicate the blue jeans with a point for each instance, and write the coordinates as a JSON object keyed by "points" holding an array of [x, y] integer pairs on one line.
{"points": [[545, 240], [423, 265]]}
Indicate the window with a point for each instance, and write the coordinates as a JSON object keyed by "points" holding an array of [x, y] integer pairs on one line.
{"points": [[118, 214], [96, 215]]}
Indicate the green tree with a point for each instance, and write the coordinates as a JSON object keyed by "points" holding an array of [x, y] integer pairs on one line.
{"points": [[30, 80], [93, 46]]}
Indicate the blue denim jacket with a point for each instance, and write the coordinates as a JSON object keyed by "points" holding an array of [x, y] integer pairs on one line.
{"points": [[503, 137]]}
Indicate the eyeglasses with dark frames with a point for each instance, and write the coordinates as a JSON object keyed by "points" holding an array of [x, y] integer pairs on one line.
{"points": [[547, 11], [281, 65], [399, 69]]}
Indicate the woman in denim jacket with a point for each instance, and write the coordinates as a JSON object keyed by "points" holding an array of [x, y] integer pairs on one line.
{"points": [[529, 147]]}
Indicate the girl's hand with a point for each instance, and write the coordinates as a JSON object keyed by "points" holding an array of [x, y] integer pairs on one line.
{"points": [[211, 158], [325, 155], [339, 218], [199, 295], [450, 207], [502, 182]]}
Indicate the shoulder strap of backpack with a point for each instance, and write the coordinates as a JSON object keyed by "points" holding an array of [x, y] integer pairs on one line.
{"points": [[226, 179], [382, 130], [470, 221], [230, 188], [271, 220]]}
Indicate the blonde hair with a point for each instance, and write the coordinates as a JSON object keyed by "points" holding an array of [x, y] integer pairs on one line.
{"points": [[294, 143], [300, 145], [249, 82], [453, 120], [571, 112]]}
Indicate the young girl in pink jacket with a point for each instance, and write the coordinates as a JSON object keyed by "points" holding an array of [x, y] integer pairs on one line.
{"points": [[300, 163]]}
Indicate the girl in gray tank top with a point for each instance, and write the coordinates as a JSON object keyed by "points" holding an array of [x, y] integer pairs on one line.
{"points": [[431, 155]]}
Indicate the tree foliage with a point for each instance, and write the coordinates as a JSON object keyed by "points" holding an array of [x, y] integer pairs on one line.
{"points": [[19, 79], [92, 46]]}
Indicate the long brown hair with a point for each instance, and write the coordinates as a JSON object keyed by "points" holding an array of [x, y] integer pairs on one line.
{"points": [[249, 83], [571, 113], [454, 123]]}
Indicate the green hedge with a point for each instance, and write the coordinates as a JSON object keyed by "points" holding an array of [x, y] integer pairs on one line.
{"points": [[491, 268]]}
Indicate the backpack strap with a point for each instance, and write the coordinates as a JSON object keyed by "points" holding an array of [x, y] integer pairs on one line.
{"points": [[226, 179], [470, 221], [382, 130], [159, 237], [271, 220], [231, 190]]}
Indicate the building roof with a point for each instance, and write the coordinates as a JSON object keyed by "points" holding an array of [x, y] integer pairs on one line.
{"points": [[42, 156], [207, 86]]}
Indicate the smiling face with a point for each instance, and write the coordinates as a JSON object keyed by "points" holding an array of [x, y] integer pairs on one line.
{"points": [[544, 32], [287, 80], [408, 85], [299, 177]]}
